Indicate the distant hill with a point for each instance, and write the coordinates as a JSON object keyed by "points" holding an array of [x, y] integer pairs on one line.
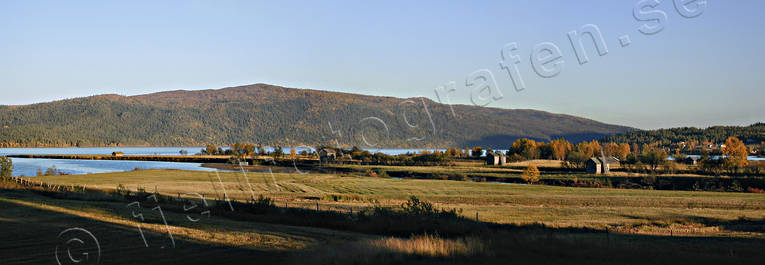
{"points": [[753, 134], [273, 115]]}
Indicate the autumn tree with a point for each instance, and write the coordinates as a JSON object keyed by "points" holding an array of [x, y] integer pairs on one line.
{"points": [[635, 148], [560, 149], [293, 152], [530, 174], [452, 152], [589, 149], [736, 154], [610, 149], [237, 150], [249, 149], [653, 157], [623, 151], [210, 149], [524, 147]]}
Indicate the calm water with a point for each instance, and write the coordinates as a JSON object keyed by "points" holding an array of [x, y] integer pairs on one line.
{"points": [[29, 167]]}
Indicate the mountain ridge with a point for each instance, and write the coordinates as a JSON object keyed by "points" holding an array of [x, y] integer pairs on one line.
{"points": [[275, 115]]}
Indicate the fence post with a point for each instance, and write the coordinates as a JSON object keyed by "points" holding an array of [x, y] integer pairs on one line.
{"points": [[317, 206], [476, 216]]}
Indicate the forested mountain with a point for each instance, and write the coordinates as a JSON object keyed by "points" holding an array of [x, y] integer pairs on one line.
{"points": [[271, 115], [753, 134]]}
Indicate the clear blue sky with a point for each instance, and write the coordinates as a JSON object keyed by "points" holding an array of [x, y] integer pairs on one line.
{"points": [[697, 71]]}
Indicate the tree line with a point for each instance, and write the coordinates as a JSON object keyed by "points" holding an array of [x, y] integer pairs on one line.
{"points": [[734, 157], [687, 139]]}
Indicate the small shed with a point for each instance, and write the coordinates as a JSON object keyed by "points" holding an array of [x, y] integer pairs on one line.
{"points": [[118, 154], [691, 160], [496, 158], [596, 165], [492, 159]]}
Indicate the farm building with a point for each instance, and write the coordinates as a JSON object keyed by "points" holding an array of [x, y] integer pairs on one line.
{"points": [[118, 154], [496, 158], [596, 165], [691, 160]]}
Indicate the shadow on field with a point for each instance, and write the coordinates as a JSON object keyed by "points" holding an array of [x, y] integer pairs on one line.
{"points": [[414, 233], [30, 236], [742, 224]]}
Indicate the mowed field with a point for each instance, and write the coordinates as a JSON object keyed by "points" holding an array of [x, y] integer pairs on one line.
{"points": [[677, 213]]}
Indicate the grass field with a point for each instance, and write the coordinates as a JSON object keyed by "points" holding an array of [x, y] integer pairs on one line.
{"points": [[550, 224], [631, 211]]}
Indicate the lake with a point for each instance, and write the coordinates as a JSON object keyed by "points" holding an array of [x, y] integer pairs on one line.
{"points": [[29, 166]]}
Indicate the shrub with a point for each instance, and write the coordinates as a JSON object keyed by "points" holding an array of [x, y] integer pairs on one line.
{"points": [[263, 202], [416, 207], [382, 173], [531, 174], [6, 168]]}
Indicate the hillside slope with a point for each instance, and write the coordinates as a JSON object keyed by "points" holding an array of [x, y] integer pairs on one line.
{"points": [[267, 114]]}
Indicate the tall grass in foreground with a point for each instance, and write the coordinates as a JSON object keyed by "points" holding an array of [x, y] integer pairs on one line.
{"points": [[417, 249], [430, 246]]}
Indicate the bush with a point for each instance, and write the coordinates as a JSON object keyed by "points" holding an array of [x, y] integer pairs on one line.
{"points": [[381, 173], [531, 174], [263, 202], [6, 168], [416, 207]]}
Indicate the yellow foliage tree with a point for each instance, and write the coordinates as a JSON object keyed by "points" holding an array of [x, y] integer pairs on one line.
{"points": [[736, 153], [560, 149], [530, 174], [611, 149], [623, 151]]}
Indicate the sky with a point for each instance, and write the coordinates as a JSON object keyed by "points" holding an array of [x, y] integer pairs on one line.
{"points": [[702, 68]]}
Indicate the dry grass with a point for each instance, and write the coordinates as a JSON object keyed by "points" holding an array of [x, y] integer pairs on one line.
{"points": [[430, 246], [501, 203], [537, 162], [31, 220]]}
